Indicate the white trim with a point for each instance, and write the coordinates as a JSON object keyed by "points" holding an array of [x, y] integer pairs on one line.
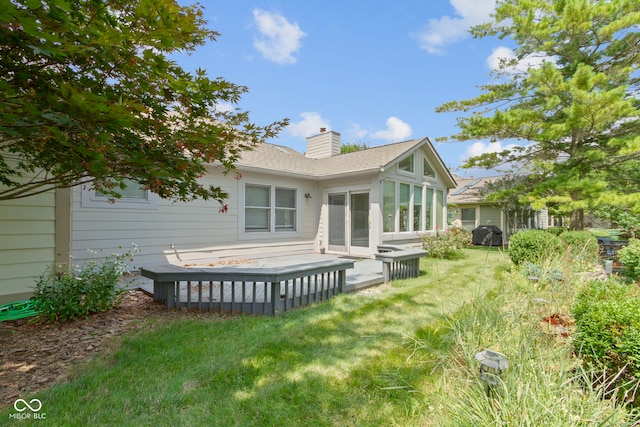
{"points": [[90, 200], [272, 233], [411, 174]]}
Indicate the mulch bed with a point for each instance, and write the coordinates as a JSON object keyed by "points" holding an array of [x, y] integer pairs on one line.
{"points": [[35, 355]]}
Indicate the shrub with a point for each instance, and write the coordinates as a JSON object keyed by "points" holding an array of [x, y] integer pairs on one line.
{"points": [[533, 246], [629, 256], [608, 334], [91, 288], [582, 245], [448, 244], [556, 230]]}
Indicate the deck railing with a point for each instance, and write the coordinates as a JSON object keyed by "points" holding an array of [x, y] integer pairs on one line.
{"points": [[400, 263], [247, 290]]}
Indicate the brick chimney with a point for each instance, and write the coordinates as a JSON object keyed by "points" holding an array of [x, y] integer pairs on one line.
{"points": [[324, 144]]}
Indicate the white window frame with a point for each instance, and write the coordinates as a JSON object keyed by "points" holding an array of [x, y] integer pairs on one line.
{"points": [[272, 232], [90, 199], [428, 177], [413, 187], [411, 173]]}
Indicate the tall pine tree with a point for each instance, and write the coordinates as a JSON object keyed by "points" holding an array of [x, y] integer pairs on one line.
{"points": [[575, 115]]}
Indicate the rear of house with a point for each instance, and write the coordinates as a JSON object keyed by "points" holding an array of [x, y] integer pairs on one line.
{"points": [[279, 202]]}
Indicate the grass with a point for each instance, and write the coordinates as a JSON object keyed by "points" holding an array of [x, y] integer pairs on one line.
{"points": [[342, 362], [402, 355]]}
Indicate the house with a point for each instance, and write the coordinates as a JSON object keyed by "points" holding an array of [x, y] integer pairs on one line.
{"points": [[279, 202], [469, 209]]}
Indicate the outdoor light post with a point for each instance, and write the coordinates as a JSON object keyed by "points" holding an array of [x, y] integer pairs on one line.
{"points": [[492, 364]]}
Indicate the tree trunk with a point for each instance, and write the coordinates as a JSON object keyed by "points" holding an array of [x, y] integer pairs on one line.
{"points": [[577, 220]]}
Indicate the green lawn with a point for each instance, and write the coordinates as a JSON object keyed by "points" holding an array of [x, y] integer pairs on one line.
{"points": [[341, 362]]}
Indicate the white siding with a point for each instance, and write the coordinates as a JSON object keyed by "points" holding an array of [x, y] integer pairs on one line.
{"points": [[490, 215], [181, 232], [27, 243]]}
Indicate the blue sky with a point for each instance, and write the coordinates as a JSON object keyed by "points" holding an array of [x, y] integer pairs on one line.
{"points": [[373, 71]]}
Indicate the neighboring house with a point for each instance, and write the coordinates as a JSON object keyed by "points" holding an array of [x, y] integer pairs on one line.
{"points": [[279, 202], [469, 209]]}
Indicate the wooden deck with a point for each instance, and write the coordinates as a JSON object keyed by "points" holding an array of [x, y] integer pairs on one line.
{"points": [[268, 287]]}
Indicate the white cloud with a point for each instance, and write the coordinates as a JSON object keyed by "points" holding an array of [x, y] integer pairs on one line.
{"points": [[309, 125], [279, 39], [224, 107], [479, 148], [446, 30], [502, 54], [355, 133], [397, 130]]}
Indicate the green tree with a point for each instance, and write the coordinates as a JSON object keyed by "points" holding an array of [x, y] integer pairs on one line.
{"points": [[353, 147], [507, 191], [89, 94], [576, 113]]}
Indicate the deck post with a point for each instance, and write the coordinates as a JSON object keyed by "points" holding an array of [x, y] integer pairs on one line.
{"points": [[342, 281], [277, 302]]}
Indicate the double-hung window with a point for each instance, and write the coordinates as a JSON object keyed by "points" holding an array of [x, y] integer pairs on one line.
{"points": [[285, 209], [257, 210], [268, 208]]}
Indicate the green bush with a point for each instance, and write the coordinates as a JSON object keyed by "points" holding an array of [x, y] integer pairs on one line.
{"points": [[629, 256], [556, 230], [448, 244], [534, 246], [607, 335], [582, 245], [91, 288]]}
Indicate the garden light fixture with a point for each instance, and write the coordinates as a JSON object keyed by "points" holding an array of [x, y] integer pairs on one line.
{"points": [[492, 364]]}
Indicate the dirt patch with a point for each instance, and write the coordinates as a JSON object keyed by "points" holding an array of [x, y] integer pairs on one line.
{"points": [[35, 356]]}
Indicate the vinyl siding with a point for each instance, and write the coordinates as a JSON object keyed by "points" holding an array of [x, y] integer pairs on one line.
{"points": [[182, 231], [27, 243], [490, 215]]}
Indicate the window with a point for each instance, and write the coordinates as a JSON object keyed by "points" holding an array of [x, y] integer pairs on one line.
{"points": [[428, 209], [427, 170], [411, 207], [406, 165], [133, 196], [132, 191], [405, 198], [261, 215], [418, 221], [257, 208], [285, 209], [440, 209], [468, 214], [389, 206]]}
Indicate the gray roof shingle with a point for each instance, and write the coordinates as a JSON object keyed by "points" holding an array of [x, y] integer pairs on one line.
{"points": [[288, 161]]}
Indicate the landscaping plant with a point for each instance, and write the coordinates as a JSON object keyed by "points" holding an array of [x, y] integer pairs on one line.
{"points": [[534, 246], [607, 336], [90, 288], [629, 256], [582, 246], [447, 244]]}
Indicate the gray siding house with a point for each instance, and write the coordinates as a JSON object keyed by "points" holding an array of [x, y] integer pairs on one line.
{"points": [[469, 209], [279, 202]]}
